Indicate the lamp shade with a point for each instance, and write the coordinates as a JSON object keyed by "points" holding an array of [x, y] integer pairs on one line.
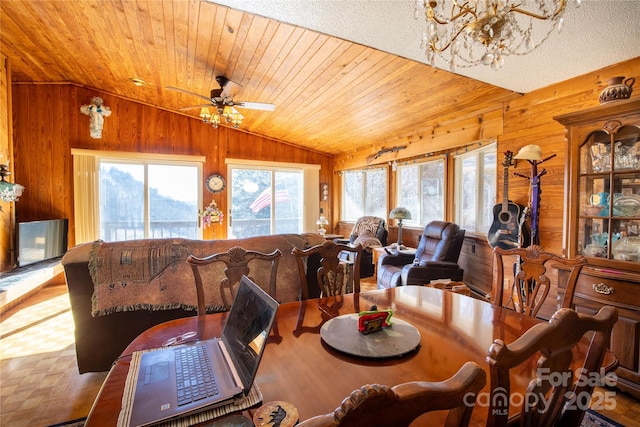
{"points": [[400, 213]]}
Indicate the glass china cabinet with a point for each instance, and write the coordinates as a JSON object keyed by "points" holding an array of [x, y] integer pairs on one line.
{"points": [[603, 164], [602, 222]]}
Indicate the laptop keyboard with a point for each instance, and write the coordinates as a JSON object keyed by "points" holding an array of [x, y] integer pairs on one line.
{"points": [[194, 377]]}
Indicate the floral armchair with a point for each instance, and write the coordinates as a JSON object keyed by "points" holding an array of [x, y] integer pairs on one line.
{"points": [[369, 232]]}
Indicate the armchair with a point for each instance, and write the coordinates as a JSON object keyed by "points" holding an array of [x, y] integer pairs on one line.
{"points": [[368, 231], [436, 258]]}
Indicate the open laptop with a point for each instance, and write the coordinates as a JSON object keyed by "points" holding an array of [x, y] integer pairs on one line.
{"points": [[232, 360]]}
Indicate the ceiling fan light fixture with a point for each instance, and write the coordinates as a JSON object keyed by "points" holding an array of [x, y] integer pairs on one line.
{"points": [[236, 119], [227, 113], [205, 114], [484, 32], [223, 104], [215, 120]]}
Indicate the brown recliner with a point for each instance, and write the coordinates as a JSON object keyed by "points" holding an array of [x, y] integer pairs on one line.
{"points": [[436, 258]]}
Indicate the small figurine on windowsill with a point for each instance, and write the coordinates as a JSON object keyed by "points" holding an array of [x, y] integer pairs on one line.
{"points": [[374, 320]]}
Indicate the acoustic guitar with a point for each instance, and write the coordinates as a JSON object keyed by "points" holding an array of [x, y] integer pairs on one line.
{"points": [[508, 229]]}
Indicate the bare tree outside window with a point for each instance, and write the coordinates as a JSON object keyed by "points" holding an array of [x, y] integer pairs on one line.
{"points": [[364, 192]]}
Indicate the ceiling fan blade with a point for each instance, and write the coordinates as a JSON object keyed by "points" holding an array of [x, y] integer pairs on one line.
{"points": [[255, 105], [191, 107], [177, 89]]}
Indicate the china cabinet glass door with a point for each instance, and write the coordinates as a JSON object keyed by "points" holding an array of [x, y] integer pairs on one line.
{"points": [[609, 195]]}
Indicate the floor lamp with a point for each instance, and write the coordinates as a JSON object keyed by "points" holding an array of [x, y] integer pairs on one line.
{"points": [[400, 214]]}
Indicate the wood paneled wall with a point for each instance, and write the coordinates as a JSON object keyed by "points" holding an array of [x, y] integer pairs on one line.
{"points": [[48, 123], [527, 119], [7, 213]]}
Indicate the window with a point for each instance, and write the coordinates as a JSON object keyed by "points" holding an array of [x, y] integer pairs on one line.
{"points": [[421, 189], [141, 199], [125, 196], [364, 192], [475, 193], [271, 198]]}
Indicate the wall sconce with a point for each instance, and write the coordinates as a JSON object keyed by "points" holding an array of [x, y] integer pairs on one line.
{"points": [[9, 192], [324, 192]]}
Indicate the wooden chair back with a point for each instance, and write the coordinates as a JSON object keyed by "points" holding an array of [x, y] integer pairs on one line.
{"points": [[553, 380], [338, 270], [531, 280], [237, 261], [376, 405]]}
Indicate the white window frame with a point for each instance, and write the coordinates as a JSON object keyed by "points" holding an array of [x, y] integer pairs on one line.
{"points": [[86, 170], [343, 216], [416, 213], [311, 173], [482, 223]]}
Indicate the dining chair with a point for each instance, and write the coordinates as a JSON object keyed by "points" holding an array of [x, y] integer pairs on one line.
{"points": [[555, 395], [236, 261], [338, 271], [531, 279], [376, 405]]}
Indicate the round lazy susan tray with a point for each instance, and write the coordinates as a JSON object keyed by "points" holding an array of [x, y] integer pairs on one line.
{"points": [[341, 333]]}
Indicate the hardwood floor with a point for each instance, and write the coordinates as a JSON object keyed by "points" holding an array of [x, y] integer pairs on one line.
{"points": [[39, 380]]}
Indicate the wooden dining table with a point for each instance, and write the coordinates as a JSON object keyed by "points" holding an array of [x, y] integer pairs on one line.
{"points": [[300, 368]]}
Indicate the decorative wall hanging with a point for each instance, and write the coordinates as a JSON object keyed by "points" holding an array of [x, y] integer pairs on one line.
{"points": [[96, 111], [9, 191], [211, 215]]}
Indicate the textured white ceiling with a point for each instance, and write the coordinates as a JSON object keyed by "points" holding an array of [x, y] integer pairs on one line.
{"points": [[597, 34]]}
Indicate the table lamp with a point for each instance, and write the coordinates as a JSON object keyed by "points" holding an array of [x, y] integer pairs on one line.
{"points": [[322, 222], [400, 213]]}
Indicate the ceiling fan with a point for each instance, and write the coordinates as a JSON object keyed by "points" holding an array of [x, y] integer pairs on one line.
{"points": [[222, 100]]}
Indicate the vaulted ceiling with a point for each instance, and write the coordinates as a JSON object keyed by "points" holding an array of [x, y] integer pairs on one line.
{"points": [[330, 94]]}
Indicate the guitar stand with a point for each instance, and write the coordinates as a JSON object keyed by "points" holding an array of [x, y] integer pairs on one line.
{"points": [[534, 179]]}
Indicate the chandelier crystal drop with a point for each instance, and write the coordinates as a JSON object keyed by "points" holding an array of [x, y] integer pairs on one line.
{"points": [[484, 32]]}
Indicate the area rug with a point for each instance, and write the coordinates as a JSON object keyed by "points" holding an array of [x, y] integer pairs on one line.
{"points": [[73, 423], [594, 419], [591, 419]]}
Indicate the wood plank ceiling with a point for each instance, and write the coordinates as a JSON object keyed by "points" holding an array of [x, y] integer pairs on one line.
{"points": [[331, 95]]}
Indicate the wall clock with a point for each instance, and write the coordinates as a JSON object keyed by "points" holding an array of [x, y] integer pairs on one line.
{"points": [[215, 183]]}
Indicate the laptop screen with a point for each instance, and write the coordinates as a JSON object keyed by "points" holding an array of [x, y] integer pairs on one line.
{"points": [[247, 329]]}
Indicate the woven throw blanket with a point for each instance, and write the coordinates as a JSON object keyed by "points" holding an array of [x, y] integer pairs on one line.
{"points": [[153, 274]]}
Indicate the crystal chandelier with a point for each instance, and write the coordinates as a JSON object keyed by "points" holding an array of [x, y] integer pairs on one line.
{"points": [[473, 32], [230, 115], [9, 192]]}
